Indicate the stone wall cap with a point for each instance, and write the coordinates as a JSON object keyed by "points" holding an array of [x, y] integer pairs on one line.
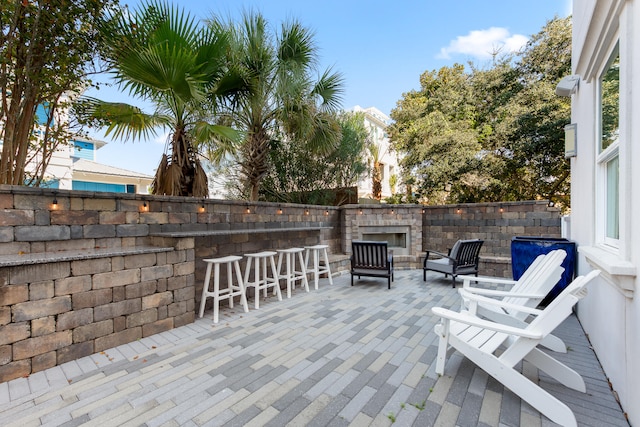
{"points": [[61, 256], [241, 231]]}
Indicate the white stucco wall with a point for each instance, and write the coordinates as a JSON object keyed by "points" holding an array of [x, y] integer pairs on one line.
{"points": [[376, 122], [610, 314]]}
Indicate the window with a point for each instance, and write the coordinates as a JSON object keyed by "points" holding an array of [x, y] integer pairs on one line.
{"points": [[83, 150], [608, 157]]}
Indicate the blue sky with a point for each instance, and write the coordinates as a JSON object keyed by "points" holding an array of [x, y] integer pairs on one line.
{"points": [[380, 47]]}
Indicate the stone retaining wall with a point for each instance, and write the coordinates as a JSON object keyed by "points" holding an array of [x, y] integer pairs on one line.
{"points": [[495, 223], [97, 270], [57, 311]]}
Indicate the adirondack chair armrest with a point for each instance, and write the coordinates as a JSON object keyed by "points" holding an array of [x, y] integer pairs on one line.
{"points": [[475, 299], [466, 280], [496, 293], [470, 319]]}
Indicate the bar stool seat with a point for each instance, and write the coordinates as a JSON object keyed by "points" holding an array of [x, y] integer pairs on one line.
{"points": [[291, 275], [316, 252], [262, 280], [232, 290]]}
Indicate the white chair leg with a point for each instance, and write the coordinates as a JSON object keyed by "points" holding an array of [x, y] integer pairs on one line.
{"points": [[243, 291], [205, 289], [554, 343], [274, 273], [303, 271], [327, 267], [559, 371], [216, 293]]}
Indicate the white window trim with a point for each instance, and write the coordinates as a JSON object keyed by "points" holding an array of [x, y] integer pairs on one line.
{"points": [[608, 255], [601, 195]]}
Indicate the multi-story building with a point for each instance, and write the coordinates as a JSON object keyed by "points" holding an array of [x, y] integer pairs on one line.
{"points": [[73, 166], [376, 122], [603, 143]]}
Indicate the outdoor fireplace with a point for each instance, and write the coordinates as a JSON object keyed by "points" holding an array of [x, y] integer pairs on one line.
{"points": [[398, 238], [399, 226]]}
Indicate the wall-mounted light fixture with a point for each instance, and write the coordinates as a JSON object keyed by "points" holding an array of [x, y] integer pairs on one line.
{"points": [[279, 211], [360, 212], [570, 140], [326, 213], [306, 211], [54, 203], [501, 208], [392, 211], [568, 85], [202, 208], [458, 210], [144, 207], [248, 210]]}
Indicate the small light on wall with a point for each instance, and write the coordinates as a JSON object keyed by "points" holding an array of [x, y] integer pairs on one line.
{"points": [[458, 210], [279, 211], [501, 208], [144, 207], [248, 210], [54, 203], [326, 213], [570, 140], [551, 203], [360, 212], [392, 211], [306, 211], [424, 210], [202, 208]]}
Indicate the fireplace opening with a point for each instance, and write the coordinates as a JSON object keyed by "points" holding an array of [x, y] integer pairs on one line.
{"points": [[394, 240], [398, 237]]}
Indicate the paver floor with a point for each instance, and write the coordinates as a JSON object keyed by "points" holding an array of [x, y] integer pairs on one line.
{"points": [[338, 356]]}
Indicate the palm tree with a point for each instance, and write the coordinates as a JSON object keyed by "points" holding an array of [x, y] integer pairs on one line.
{"points": [[274, 95], [161, 55]]}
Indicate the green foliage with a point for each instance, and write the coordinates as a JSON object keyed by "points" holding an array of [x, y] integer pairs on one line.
{"points": [[299, 175], [46, 51], [160, 54], [272, 95], [492, 134]]}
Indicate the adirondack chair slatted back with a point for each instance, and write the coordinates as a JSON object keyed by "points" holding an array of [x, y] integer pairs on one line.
{"points": [[541, 276], [466, 252], [550, 318], [370, 255]]}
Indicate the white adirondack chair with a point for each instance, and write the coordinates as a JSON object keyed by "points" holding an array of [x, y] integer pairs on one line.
{"points": [[528, 291], [479, 339]]}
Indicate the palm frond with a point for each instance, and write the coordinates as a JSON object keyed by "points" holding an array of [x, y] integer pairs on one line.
{"points": [[122, 120], [200, 181], [330, 87], [296, 47]]}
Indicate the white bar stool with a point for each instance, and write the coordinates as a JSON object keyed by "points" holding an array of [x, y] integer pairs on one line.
{"points": [[292, 275], [232, 289], [317, 269], [261, 279]]}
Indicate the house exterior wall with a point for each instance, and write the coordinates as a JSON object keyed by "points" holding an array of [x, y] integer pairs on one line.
{"points": [[610, 314], [376, 123]]}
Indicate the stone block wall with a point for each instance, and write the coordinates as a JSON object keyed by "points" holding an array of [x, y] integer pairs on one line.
{"points": [[495, 223], [53, 312], [356, 218], [97, 270]]}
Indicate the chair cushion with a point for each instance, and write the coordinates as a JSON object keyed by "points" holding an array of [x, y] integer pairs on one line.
{"points": [[443, 265]]}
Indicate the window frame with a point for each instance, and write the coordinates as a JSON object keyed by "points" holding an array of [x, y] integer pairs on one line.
{"points": [[603, 160]]}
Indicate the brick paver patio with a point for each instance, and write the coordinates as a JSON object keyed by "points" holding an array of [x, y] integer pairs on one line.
{"points": [[338, 356]]}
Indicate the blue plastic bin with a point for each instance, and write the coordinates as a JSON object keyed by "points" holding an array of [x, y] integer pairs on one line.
{"points": [[525, 249]]}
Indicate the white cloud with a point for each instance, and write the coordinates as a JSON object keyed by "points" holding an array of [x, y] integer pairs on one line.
{"points": [[481, 44]]}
